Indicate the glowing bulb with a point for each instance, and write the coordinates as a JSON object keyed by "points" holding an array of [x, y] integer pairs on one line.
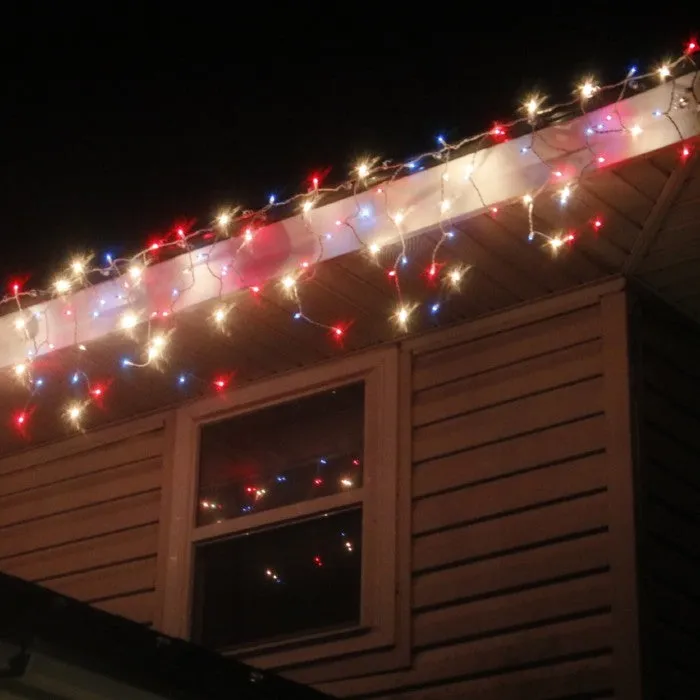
{"points": [[78, 267], [564, 194], [308, 206], [248, 236], [587, 89], [403, 315], [224, 219], [219, 315], [20, 370], [347, 483], [62, 286], [531, 106], [664, 72], [527, 200], [398, 218], [128, 321], [363, 170], [288, 282], [636, 130], [374, 248], [74, 412], [20, 324], [455, 277], [156, 346], [135, 272]]}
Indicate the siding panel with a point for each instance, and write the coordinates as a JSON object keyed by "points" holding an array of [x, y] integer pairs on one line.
{"points": [[668, 381], [85, 523], [511, 568]]}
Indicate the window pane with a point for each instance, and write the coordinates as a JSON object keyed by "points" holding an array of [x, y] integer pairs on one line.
{"points": [[294, 579], [280, 455]]}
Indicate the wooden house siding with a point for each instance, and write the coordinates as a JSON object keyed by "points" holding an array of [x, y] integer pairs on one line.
{"points": [[665, 355], [514, 444], [81, 517], [516, 563]]}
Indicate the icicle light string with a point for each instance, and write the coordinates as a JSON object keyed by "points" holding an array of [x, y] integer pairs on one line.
{"points": [[368, 175]]}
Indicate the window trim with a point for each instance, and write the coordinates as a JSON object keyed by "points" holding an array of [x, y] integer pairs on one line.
{"points": [[379, 369]]}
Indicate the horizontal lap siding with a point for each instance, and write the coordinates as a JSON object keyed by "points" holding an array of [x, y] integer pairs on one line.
{"points": [[669, 426], [85, 523], [511, 583]]}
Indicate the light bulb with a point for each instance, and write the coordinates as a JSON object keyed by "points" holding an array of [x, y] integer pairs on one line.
{"points": [[587, 89], [135, 272], [531, 106], [128, 321], [62, 286], [363, 170]]}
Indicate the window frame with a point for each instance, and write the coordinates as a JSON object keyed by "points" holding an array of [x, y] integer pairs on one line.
{"points": [[379, 370]]}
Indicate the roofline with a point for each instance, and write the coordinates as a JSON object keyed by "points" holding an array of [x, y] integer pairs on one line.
{"points": [[504, 172], [38, 621]]}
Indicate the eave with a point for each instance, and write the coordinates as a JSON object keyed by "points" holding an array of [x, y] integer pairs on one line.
{"points": [[647, 195]]}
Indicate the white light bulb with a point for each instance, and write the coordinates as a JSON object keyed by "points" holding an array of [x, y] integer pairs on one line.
{"points": [[398, 218], [636, 130], [531, 107], [20, 370], [74, 412], [363, 170], [62, 286], [664, 72], [20, 324], [78, 267], [135, 272], [564, 194], [587, 89], [308, 206], [288, 282], [224, 219], [403, 315], [219, 315], [374, 248], [527, 200], [128, 321]]}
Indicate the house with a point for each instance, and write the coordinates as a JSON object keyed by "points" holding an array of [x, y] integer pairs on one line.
{"points": [[433, 436], [54, 647]]}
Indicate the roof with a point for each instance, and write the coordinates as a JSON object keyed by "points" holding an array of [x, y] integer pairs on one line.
{"points": [[55, 647], [629, 167]]}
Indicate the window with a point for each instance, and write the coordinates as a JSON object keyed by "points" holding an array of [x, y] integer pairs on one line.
{"points": [[296, 576], [282, 543]]}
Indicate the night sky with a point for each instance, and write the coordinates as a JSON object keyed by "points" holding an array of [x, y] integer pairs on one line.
{"points": [[117, 123]]}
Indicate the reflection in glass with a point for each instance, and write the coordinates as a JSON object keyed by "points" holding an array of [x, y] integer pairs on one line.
{"points": [[281, 455], [294, 579]]}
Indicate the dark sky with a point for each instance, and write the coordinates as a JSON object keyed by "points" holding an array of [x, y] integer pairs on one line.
{"points": [[116, 121]]}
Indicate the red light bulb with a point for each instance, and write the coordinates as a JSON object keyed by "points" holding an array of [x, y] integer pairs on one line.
{"points": [[691, 46], [220, 383]]}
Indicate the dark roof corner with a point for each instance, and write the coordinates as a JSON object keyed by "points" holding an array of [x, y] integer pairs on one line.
{"points": [[36, 621]]}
